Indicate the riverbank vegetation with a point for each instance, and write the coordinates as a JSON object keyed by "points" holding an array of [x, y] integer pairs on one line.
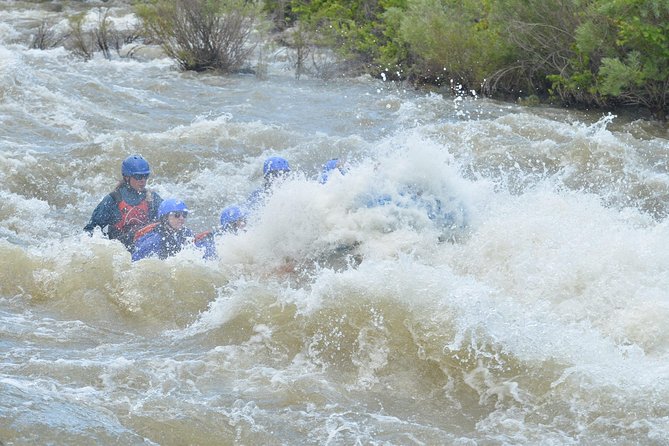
{"points": [[583, 53], [577, 53], [202, 35]]}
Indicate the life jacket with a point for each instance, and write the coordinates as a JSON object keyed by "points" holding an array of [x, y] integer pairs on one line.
{"points": [[141, 232], [171, 242], [203, 235], [131, 216]]}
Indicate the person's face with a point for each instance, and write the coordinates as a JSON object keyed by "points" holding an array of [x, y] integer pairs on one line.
{"points": [[138, 182], [176, 220], [239, 226], [276, 175]]}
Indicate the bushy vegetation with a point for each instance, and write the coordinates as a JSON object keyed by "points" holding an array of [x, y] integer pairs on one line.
{"points": [[101, 37], [198, 34], [85, 36], [577, 52], [46, 37], [450, 41], [202, 34], [584, 53]]}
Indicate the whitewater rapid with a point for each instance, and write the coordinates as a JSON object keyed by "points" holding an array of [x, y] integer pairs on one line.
{"points": [[533, 309]]}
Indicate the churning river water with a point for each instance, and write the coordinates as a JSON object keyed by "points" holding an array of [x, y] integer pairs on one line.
{"points": [[533, 310]]}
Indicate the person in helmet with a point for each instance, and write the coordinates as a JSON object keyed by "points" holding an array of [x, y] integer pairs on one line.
{"points": [[169, 234], [274, 168], [233, 219], [129, 206], [328, 167]]}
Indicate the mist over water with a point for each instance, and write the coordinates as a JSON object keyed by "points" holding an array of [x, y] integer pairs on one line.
{"points": [[531, 309]]}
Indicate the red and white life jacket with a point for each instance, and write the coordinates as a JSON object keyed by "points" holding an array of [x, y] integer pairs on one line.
{"points": [[132, 217]]}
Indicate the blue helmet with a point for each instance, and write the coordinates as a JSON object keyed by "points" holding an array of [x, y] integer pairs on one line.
{"points": [[231, 215], [327, 167], [171, 205], [275, 164], [135, 165], [331, 164]]}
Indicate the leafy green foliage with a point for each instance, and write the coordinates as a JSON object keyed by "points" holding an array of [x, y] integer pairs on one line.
{"points": [[395, 56], [441, 45], [451, 41], [639, 75], [618, 76], [350, 27], [580, 52]]}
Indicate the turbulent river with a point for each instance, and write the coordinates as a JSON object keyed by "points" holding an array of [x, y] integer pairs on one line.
{"points": [[533, 309]]}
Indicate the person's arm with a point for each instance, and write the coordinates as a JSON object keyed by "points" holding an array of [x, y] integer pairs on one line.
{"points": [[154, 205], [205, 241], [103, 215], [256, 198], [146, 246]]}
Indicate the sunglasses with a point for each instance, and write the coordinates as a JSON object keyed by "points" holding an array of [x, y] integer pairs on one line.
{"points": [[277, 173], [142, 176], [179, 214]]}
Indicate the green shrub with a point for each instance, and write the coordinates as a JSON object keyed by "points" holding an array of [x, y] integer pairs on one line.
{"points": [[581, 52], [346, 26], [639, 73], [593, 53], [395, 59], [539, 35], [355, 29], [202, 34], [451, 41]]}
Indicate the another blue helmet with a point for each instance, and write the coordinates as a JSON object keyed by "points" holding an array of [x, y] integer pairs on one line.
{"points": [[171, 205], [328, 167], [231, 215], [275, 164], [331, 164], [135, 165]]}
